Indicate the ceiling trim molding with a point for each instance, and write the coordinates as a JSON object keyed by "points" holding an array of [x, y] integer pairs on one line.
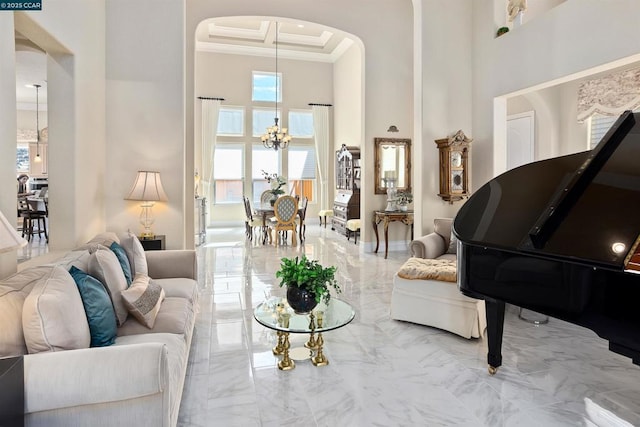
{"points": [[264, 52]]}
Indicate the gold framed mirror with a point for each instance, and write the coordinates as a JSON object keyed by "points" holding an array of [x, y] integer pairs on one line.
{"points": [[392, 162]]}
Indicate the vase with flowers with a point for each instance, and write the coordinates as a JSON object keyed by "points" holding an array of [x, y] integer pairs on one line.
{"points": [[403, 198], [307, 282], [276, 182]]}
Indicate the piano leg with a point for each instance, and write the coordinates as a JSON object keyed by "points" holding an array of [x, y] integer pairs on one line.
{"points": [[495, 327]]}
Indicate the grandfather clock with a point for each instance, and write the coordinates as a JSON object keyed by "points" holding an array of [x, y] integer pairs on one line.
{"points": [[454, 172]]}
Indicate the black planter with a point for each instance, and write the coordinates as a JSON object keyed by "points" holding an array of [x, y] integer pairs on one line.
{"points": [[301, 300]]}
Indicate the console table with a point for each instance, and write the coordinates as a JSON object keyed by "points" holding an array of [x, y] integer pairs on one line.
{"points": [[386, 217]]}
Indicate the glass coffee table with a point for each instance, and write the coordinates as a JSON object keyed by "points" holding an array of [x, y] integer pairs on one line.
{"points": [[275, 313]]}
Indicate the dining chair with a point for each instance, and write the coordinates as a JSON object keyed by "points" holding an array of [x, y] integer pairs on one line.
{"points": [[33, 220], [250, 222], [302, 214], [266, 197], [285, 209]]}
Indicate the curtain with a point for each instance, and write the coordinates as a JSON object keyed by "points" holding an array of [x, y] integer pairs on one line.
{"points": [[210, 111], [609, 95], [321, 138]]}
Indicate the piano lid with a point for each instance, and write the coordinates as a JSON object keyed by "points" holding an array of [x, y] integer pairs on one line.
{"points": [[582, 208]]}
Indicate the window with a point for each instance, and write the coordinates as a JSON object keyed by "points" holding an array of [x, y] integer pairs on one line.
{"points": [[301, 123], [599, 126], [262, 159], [264, 86], [22, 158], [302, 170], [231, 121], [262, 119], [228, 173]]}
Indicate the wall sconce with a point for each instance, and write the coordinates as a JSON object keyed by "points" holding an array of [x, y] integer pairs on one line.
{"points": [[392, 128], [147, 188]]}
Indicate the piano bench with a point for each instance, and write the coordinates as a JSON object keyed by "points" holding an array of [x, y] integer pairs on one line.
{"points": [[438, 304]]}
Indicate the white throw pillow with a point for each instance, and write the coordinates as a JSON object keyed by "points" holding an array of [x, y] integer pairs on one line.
{"points": [[13, 291], [143, 299], [53, 317], [135, 253], [104, 266]]}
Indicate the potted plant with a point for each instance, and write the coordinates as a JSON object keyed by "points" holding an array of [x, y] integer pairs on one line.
{"points": [[403, 198], [307, 282], [276, 182]]}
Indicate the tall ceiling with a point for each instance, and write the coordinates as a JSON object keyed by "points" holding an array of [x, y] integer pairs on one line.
{"points": [[257, 37], [239, 35]]}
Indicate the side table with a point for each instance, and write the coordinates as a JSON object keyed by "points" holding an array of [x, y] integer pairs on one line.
{"points": [[405, 217], [12, 391], [154, 244]]}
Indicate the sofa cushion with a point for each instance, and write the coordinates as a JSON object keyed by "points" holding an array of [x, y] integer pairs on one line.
{"points": [[123, 260], [13, 291], [104, 266], [97, 307], [428, 269], [143, 299], [135, 253], [77, 258], [179, 287], [175, 316], [102, 239], [53, 316]]}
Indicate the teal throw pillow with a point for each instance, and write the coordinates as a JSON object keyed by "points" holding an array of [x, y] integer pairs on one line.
{"points": [[121, 254], [97, 307]]}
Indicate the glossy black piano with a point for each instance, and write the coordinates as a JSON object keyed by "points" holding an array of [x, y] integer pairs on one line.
{"points": [[560, 237]]}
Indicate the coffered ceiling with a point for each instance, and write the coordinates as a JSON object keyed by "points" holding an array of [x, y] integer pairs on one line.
{"points": [[257, 36]]}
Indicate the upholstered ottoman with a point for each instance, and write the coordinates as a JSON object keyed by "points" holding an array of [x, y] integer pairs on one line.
{"points": [[324, 214], [425, 292], [353, 227]]}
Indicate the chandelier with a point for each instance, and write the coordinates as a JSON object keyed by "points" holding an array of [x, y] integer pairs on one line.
{"points": [[276, 137]]}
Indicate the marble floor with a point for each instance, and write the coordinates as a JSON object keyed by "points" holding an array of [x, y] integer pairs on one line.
{"points": [[384, 372]]}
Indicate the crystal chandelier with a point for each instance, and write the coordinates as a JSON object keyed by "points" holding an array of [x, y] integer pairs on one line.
{"points": [[276, 137]]}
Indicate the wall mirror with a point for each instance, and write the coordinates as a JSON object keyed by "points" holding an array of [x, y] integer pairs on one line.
{"points": [[392, 164]]}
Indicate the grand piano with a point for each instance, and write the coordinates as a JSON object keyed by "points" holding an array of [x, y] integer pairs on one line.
{"points": [[560, 237]]}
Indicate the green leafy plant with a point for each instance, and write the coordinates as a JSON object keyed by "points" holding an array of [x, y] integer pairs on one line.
{"points": [[309, 275], [404, 198], [501, 31]]}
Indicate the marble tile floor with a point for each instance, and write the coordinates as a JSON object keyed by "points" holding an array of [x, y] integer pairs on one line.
{"points": [[384, 372]]}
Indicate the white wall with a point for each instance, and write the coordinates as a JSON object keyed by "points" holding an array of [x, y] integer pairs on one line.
{"points": [[570, 41], [446, 64], [145, 114], [72, 33]]}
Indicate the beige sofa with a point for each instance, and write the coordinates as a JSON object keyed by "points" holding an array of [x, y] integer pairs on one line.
{"points": [[436, 302], [137, 380]]}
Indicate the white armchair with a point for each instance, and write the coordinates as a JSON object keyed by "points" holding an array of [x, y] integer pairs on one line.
{"points": [[432, 302]]}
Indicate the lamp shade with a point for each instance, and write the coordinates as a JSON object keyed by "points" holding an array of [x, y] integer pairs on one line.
{"points": [[147, 187], [10, 240]]}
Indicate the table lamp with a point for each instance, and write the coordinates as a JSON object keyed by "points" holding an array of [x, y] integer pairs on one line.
{"points": [[10, 240], [147, 188]]}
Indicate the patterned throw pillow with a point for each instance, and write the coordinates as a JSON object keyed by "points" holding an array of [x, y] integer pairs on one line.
{"points": [[143, 299]]}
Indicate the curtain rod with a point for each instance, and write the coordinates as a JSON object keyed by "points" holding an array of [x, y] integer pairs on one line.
{"points": [[215, 99], [320, 105]]}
